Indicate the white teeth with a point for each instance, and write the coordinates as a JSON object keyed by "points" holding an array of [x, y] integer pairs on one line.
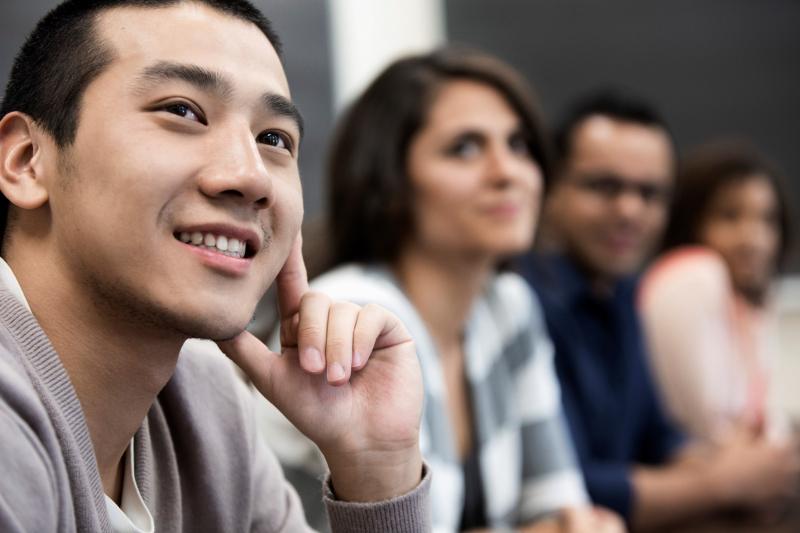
{"points": [[217, 243]]}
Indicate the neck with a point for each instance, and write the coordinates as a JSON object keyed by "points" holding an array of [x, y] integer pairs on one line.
{"points": [[443, 288], [602, 286], [116, 368]]}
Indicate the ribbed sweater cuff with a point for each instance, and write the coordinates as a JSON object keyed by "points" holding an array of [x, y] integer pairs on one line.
{"points": [[410, 513]]}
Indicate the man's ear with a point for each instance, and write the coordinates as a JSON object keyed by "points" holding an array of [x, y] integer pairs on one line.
{"points": [[21, 179]]}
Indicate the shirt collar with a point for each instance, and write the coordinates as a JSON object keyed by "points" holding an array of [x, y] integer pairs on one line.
{"points": [[571, 283], [10, 281]]}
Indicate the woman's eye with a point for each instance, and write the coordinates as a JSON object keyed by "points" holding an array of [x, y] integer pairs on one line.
{"points": [[730, 215], [182, 110], [465, 150], [519, 145], [272, 138]]}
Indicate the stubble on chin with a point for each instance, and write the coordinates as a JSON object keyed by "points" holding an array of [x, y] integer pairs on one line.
{"points": [[119, 303]]}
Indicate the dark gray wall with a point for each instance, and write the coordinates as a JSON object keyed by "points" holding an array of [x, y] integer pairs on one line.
{"points": [[714, 67], [303, 27]]}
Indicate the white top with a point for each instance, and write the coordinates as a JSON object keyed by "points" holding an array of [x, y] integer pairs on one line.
{"points": [[133, 516], [527, 462]]}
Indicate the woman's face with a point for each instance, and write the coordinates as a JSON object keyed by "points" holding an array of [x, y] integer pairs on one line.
{"points": [[476, 187], [742, 224]]}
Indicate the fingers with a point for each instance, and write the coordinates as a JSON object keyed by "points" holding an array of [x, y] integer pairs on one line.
{"points": [[340, 337], [339, 346], [374, 324], [312, 331], [610, 521], [291, 284], [252, 356], [325, 336]]}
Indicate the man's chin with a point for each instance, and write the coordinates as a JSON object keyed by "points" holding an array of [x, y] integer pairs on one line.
{"points": [[216, 329]]}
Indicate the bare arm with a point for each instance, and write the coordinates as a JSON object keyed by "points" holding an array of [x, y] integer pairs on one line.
{"points": [[747, 471]]}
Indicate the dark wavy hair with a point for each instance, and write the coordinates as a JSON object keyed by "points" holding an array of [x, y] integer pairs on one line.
{"points": [[704, 172], [63, 55], [369, 192]]}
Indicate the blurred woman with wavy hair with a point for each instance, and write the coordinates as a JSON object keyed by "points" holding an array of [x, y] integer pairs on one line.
{"points": [[435, 180]]}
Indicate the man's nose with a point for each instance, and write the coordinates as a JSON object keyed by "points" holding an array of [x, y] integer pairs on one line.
{"points": [[502, 166], [237, 171], [630, 204]]}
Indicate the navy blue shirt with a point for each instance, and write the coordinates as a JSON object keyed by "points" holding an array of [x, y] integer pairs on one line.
{"points": [[613, 411]]}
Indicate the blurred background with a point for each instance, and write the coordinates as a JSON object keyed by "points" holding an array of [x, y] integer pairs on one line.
{"points": [[713, 67]]}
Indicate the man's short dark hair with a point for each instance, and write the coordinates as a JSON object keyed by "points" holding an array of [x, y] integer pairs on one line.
{"points": [[63, 54], [614, 104]]}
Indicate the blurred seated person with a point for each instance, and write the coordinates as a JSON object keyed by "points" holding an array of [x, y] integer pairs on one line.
{"points": [[435, 179], [603, 215], [705, 303]]}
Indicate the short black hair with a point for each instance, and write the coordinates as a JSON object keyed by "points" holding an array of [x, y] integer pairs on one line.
{"points": [[63, 55], [612, 103]]}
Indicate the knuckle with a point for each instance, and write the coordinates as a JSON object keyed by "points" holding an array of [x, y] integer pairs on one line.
{"points": [[361, 330], [344, 307], [316, 297], [338, 344], [311, 331], [373, 309]]}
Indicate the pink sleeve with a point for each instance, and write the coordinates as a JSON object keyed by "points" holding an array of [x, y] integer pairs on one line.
{"points": [[686, 306]]}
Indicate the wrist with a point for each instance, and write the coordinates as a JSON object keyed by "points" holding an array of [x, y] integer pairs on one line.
{"points": [[371, 476]]}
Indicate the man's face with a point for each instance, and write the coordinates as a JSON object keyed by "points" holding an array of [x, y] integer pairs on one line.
{"points": [[189, 132], [609, 205]]}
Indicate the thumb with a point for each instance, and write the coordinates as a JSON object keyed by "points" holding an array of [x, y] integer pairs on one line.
{"points": [[254, 358]]}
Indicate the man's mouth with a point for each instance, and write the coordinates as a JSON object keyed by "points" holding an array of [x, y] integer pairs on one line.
{"points": [[215, 242]]}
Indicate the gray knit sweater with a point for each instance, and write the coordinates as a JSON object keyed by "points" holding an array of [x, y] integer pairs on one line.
{"points": [[199, 463]]}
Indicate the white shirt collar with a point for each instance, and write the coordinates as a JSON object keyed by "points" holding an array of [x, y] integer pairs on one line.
{"points": [[10, 280]]}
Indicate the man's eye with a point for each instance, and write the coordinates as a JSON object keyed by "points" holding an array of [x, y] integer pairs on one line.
{"points": [[182, 110], [272, 138], [605, 187]]}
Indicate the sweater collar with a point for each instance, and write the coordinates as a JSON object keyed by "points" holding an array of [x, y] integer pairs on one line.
{"points": [[53, 386]]}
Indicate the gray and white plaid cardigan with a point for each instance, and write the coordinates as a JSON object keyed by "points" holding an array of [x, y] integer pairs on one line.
{"points": [[528, 464]]}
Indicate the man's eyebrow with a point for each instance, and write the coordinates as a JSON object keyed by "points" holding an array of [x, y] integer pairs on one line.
{"points": [[202, 78], [277, 104], [219, 83]]}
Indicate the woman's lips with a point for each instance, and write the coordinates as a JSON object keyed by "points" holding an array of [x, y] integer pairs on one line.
{"points": [[504, 210]]}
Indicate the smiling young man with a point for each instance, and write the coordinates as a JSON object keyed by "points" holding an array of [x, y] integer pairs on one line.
{"points": [[606, 212], [148, 156]]}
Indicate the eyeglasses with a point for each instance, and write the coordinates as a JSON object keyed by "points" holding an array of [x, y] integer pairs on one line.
{"points": [[610, 187]]}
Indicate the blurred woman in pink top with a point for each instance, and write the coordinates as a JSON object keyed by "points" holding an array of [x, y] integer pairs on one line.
{"points": [[705, 302]]}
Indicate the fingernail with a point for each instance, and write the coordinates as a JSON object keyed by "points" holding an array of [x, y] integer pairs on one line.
{"points": [[356, 359], [335, 371], [312, 360]]}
